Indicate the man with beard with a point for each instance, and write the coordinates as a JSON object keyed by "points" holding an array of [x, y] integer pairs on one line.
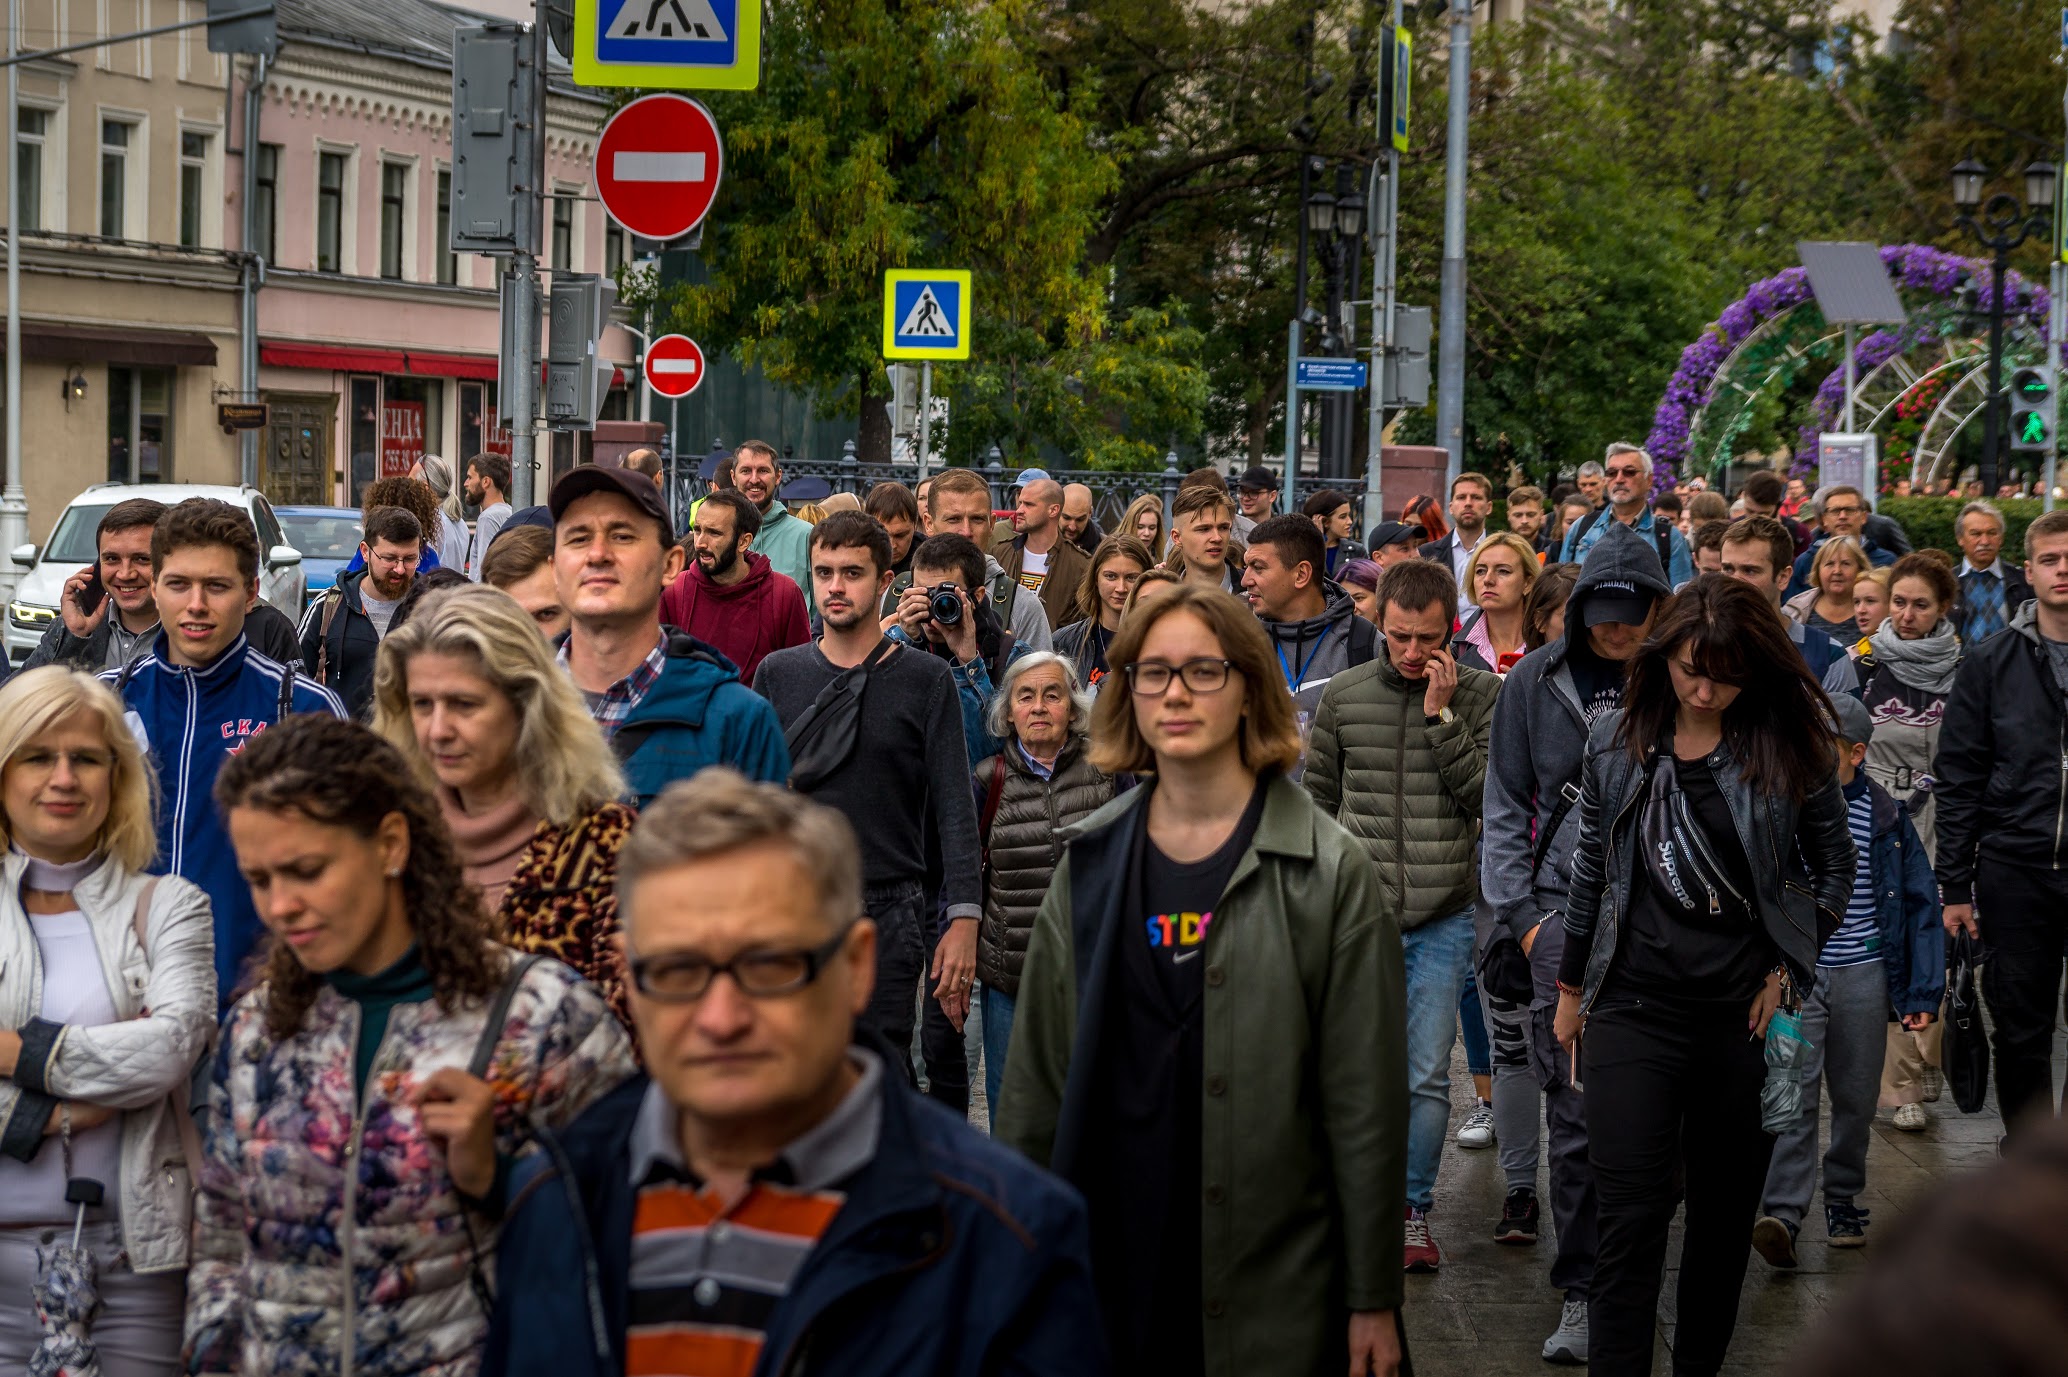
{"points": [[730, 597], [784, 540], [341, 634]]}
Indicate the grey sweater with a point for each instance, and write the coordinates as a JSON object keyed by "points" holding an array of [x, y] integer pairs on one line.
{"points": [[910, 712]]}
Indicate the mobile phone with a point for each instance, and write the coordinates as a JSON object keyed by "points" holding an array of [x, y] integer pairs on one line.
{"points": [[88, 598]]}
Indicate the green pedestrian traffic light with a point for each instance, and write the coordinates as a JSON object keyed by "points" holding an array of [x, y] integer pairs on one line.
{"points": [[2032, 409]]}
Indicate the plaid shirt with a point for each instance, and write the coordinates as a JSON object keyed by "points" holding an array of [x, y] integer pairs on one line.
{"points": [[611, 707]]}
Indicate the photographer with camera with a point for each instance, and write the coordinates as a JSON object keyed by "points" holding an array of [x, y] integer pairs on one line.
{"points": [[947, 612]]}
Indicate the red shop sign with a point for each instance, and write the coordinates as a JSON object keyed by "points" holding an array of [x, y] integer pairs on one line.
{"points": [[402, 437]]}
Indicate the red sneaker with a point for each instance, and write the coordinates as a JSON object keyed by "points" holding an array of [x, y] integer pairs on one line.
{"points": [[1420, 1254]]}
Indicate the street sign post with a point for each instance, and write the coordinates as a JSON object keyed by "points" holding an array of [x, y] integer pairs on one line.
{"points": [[677, 45], [926, 314], [658, 162], [674, 366], [1329, 375]]}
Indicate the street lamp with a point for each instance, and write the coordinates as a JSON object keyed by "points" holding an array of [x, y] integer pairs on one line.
{"points": [[2000, 225], [1321, 214]]}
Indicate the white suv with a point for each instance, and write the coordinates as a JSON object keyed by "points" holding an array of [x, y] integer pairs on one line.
{"points": [[71, 548]]}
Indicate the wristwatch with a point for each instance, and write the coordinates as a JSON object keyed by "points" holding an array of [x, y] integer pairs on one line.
{"points": [[1439, 719]]}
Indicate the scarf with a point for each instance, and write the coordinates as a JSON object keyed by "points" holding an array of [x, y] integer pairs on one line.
{"points": [[1926, 663], [49, 877], [491, 843]]}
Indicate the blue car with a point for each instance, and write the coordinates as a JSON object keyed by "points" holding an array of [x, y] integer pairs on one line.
{"points": [[328, 538]]}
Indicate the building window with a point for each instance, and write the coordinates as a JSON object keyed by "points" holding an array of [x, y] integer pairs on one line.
{"points": [[563, 234], [613, 249], [115, 141], [28, 165], [193, 177], [447, 260], [140, 425], [330, 212], [265, 205], [394, 193]]}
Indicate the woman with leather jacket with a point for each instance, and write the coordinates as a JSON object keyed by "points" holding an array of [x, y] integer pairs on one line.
{"points": [[1714, 861], [107, 999]]}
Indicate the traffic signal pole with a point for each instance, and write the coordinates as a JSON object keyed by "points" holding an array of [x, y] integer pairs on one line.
{"points": [[523, 384]]}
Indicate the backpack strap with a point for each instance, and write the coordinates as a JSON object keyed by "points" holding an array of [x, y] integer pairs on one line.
{"points": [[286, 704], [1567, 797], [1662, 536], [499, 1011], [331, 602], [1586, 524], [1006, 642]]}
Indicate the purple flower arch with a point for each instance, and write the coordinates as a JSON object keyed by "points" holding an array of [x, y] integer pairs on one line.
{"points": [[1916, 268]]}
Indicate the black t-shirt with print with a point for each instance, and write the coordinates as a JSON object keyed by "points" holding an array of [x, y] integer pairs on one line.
{"points": [[1599, 684]]}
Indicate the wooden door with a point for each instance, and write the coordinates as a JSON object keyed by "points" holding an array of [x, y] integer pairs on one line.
{"points": [[296, 467]]}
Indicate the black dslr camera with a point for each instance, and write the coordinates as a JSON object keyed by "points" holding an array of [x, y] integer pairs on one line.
{"points": [[944, 604]]}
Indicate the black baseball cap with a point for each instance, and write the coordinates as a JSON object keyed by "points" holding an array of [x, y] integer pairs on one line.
{"points": [[584, 479], [1618, 602], [1258, 479], [1395, 533]]}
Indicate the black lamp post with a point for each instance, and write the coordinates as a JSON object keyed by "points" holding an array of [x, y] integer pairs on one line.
{"points": [[2000, 225], [1335, 223]]}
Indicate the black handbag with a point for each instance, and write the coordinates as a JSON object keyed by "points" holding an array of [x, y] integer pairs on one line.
{"points": [[1965, 1047], [823, 736]]}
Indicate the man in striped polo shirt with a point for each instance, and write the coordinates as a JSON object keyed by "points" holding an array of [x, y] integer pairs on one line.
{"points": [[770, 1173]]}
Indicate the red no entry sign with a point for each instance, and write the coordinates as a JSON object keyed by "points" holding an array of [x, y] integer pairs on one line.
{"points": [[657, 165], [674, 366]]}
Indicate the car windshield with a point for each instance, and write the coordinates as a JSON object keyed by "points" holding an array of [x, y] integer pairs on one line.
{"points": [[322, 537], [73, 540]]}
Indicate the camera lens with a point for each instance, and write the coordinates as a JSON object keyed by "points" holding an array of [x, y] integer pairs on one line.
{"points": [[945, 605]]}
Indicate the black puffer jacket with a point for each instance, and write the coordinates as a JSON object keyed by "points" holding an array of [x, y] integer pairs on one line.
{"points": [[1025, 843]]}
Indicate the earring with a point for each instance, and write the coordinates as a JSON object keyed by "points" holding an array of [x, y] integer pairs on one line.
{"points": [[395, 872]]}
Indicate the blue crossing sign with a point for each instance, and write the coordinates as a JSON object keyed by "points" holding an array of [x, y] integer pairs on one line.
{"points": [[672, 44], [1329, 375], [926, 314]]}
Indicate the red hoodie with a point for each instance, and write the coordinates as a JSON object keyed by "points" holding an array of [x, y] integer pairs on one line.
{"points": [[762, 613]]}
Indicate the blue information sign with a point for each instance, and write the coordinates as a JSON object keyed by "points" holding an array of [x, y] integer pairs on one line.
{"points": [[1329, 375]]}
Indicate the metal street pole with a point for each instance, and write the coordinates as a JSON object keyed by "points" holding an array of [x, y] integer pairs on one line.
{"points": [[14, 504], [524, 268], [1989, 419], [1450, 354], [1292, 412], [1386, 205], [925, 416], [1851, 378]]}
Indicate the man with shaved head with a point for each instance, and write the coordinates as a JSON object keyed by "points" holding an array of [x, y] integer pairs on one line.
{"points": [[1046, 564], [1080, 527]]}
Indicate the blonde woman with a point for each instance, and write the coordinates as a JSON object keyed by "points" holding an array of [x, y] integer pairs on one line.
{"points": [[1870, 607], [472, 697], [1498, 577], [1827, 604], [107, 996], [1143, 520]]}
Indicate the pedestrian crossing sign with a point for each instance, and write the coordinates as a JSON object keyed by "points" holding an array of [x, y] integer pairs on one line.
{"points": [[925, 314], [702, 45]]}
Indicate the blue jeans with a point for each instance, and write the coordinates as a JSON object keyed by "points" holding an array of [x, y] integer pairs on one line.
{"points": [[1479, 1052], [1438, 954], [997, 1016]]}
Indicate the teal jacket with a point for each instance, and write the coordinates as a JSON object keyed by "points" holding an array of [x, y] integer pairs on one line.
{"points": [[699, 714], [785, 541]]}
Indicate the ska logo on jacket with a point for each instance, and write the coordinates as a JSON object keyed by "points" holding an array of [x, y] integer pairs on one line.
{"points": [[240, 730]]}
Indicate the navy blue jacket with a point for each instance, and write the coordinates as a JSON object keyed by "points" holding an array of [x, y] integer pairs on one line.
{"points": [[1913, 943], [190, 721], [699, 714], [953, 1256]]}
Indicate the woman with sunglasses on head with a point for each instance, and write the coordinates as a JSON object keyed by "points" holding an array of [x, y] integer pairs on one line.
{"points": [[367, 1099], [107, 999], [1714, 861], [1208, 1036]]}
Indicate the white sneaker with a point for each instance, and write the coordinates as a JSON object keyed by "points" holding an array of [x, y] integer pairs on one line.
{"points": [[1911, 1118], [1569, 1343], [1478, 1129]]}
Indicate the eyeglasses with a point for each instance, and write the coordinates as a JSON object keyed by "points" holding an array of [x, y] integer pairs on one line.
{"points": [[683, 977], [1843, 511], [405, 561], [1151, 678], [1631, 472]]}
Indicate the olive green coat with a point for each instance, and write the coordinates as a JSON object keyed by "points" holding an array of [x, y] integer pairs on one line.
{"points": [[1304, 1116]]}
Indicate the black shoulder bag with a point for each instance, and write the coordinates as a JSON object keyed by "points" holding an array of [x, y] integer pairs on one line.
{"points": [[823, 736]]}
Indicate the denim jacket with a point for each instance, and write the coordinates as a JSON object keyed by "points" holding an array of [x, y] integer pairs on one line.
{"points": [[1906, 897]]}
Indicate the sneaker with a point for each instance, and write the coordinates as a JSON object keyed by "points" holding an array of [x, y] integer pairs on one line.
{"points": [[1421, 1255], [1934, 1083], [1774, 1240], [1846, 1223], [1478, 1129], [1911, 1119], [1518, 1218], [1568, 1344]]}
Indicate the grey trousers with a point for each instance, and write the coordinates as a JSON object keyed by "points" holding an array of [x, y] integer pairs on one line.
{"points": [[1518, 1103], [138, 1330], [1565, 1123], [1845, 1019]]}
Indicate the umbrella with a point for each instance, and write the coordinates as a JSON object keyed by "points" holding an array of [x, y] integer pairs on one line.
{"points": [[68, 1297]]}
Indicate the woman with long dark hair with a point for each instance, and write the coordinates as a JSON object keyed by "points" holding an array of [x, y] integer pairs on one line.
{"points": [[367, 1099], [1714, 862]]}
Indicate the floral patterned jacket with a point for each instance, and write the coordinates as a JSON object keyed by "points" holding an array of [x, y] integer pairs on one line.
{"points": [[329, 1238]]}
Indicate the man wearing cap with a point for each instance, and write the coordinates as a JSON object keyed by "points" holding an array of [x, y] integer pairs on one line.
{"points": [[1530, 825], [1080, 527], [670, 703], [1256, 497], [1038, 557], [784, 540], [1394, 541]]}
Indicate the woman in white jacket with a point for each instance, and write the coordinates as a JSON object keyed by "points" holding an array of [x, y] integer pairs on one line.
{"points": [[107, 993]]}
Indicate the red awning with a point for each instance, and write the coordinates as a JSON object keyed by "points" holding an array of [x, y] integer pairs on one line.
{"points": [[332, 358], [478, 367]]}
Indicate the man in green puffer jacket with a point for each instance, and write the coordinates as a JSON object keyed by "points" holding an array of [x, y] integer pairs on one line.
{"points": [[1397, 755]]}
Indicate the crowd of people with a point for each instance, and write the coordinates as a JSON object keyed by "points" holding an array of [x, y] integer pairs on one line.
{"points": [[373, 968]]}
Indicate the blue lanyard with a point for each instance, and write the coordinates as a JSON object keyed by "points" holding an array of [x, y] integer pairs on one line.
{"points": [[1294, 677]]}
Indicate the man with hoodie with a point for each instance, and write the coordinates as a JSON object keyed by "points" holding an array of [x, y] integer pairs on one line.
{"points": [[342, 630], [731, 597], [670, 703], [1311, 621], [783, 540], [1547, 703]]}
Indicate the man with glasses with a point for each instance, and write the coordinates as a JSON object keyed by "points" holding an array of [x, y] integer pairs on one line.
{"points": [[341, 634], [1256, 497], [1628, 488], [1841, 511], [774, 1183]]}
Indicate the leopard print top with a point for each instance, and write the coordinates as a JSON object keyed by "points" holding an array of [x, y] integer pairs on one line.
{"points": [[563, 900]]}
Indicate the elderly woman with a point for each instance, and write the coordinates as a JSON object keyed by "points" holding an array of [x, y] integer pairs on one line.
{"points": [[1026, 795], [1827, 604], [473, 699], [107, 995]]}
